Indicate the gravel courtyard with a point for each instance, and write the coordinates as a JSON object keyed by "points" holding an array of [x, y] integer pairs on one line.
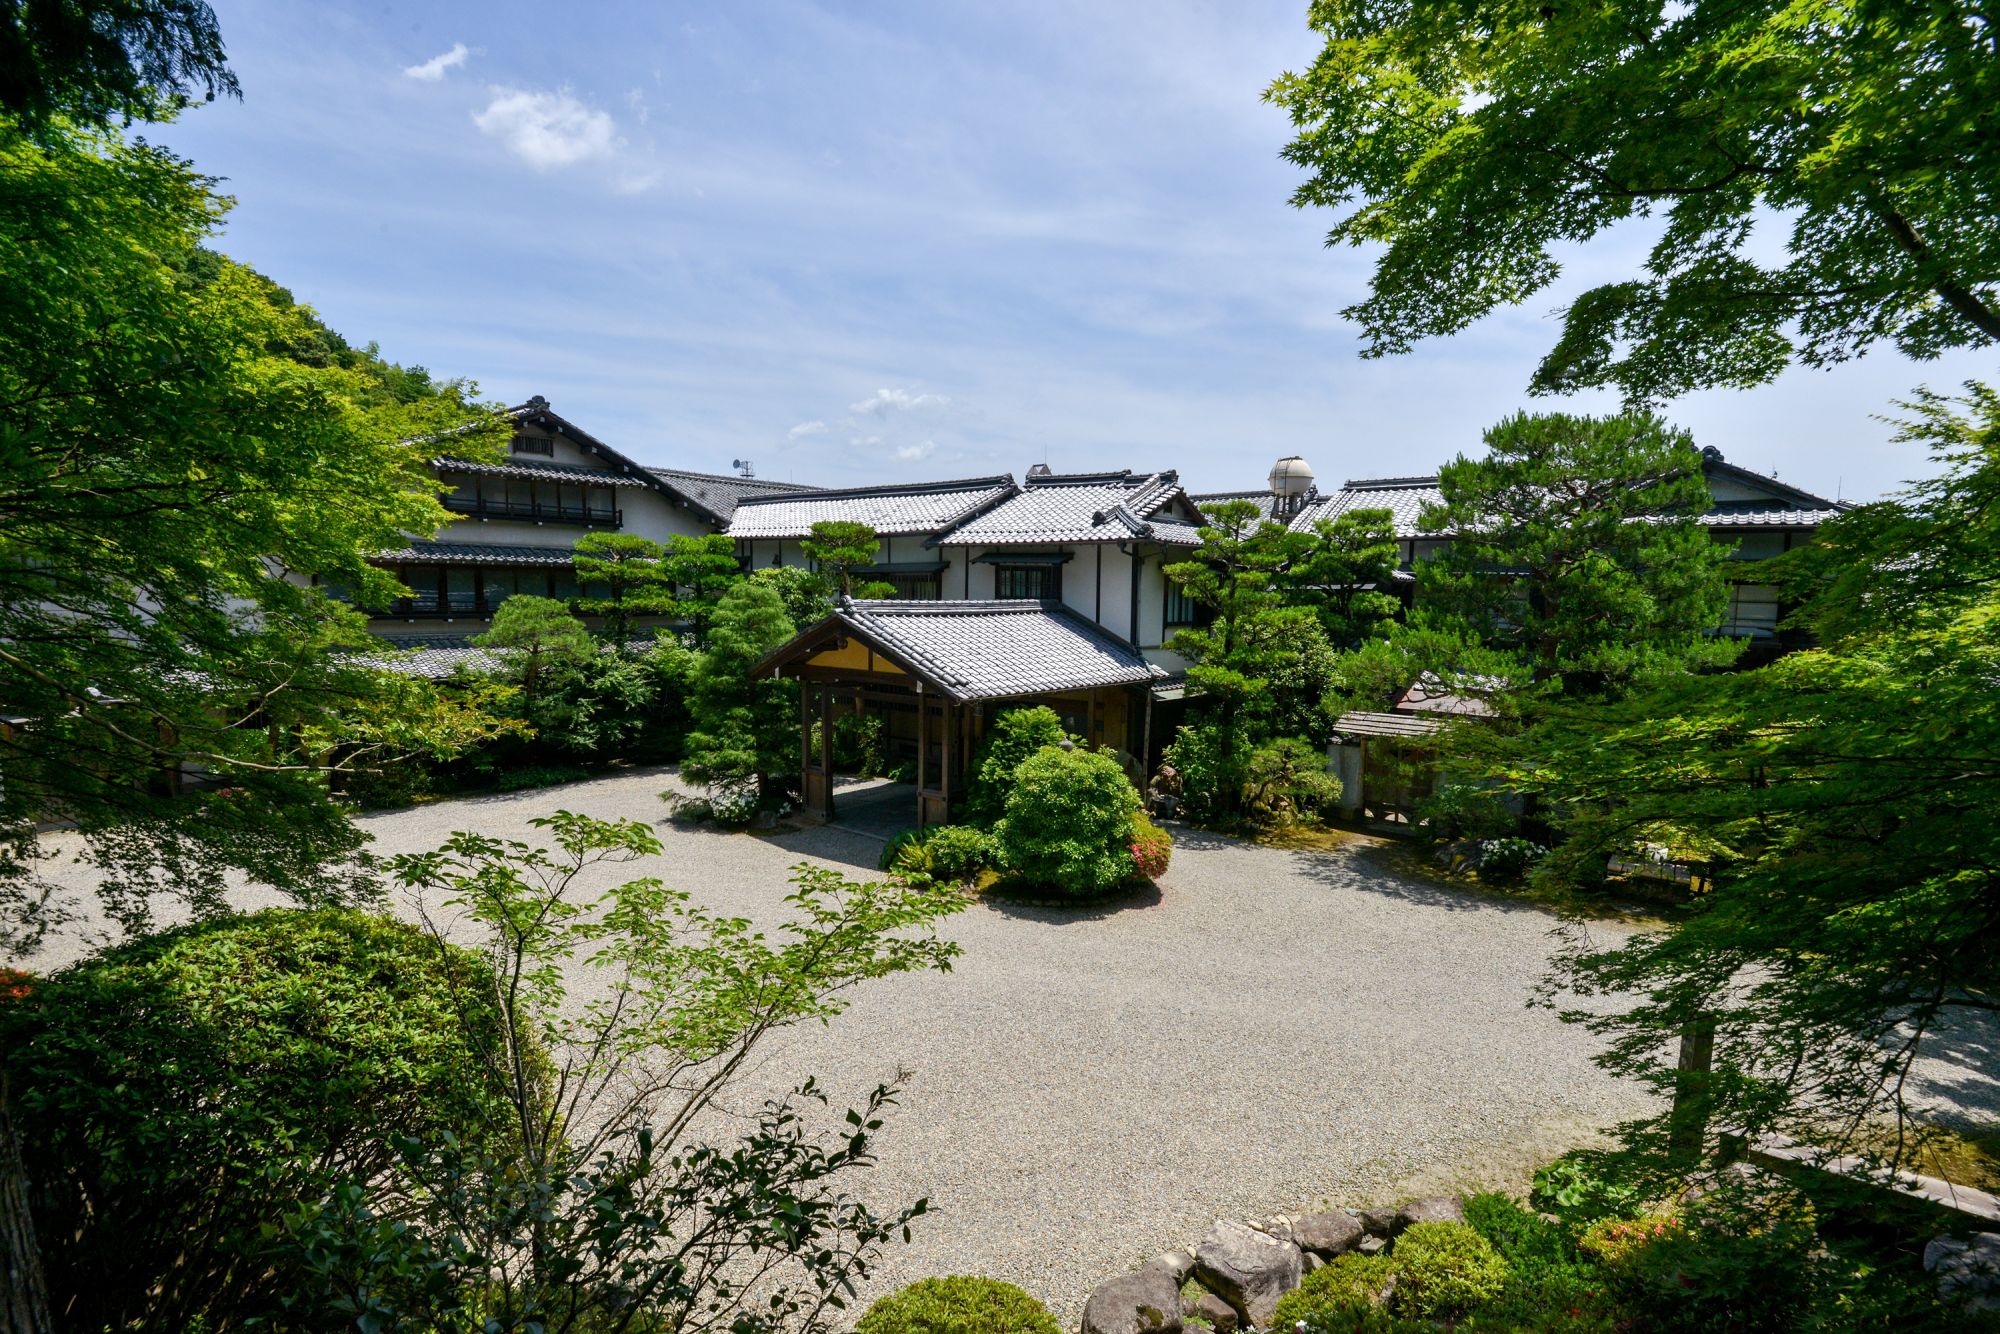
{"points": [[1088, 1087]]}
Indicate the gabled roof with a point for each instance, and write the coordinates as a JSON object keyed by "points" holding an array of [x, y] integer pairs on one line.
{"points": [[477, 553], [704, 500], [1086, 507], [979, 650], [720, 493], [917, 507], [1405, 498]]}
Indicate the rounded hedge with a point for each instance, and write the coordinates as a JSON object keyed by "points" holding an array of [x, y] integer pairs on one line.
{"points": [[1445, 1269], [1344, 1287], [1070, 822], [958, 1304], [174, 1094]]}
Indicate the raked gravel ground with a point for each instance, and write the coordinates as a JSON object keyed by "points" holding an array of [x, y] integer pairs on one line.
{"points": [[1088, 1087]]}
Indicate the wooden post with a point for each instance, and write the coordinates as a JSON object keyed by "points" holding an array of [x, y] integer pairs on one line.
{"points": [[1687, 1122], [1146, 739], [944, 756], [826, 740], [923, 747]]}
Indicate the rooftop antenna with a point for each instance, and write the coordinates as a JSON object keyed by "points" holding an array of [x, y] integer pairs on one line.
{"points": [[743, 467]]}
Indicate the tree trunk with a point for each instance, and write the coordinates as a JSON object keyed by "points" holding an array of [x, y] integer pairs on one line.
{"points": [[24, 1298], [1687, 1123]]}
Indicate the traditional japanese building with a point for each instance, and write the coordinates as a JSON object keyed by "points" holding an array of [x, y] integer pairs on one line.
{"points": [[517, 522]]}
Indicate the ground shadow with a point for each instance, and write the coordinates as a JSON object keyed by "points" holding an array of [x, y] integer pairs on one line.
{"points": [[1370, 869], [1037, 903]]}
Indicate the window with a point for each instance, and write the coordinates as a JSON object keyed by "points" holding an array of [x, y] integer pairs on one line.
{"points": [[1753, 612], [1181, 608], [534, 444], [1038, 582]]}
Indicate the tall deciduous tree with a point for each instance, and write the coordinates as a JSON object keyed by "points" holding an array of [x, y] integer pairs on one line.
{"points": [[1473, 140], [179, 493], [1842, 803], [107, 61], [1574, 543], [1234, 573]]}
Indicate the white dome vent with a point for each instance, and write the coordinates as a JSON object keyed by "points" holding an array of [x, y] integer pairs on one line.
{"points": [[1291, 483]]}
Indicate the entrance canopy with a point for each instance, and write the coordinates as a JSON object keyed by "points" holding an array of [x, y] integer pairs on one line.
{"points": [[969, 651], [936, 673]]}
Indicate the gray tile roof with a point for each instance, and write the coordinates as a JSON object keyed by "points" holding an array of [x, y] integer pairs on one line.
{"points": [[1770, 516], [922, 507], [478, 553], [720, 494], [1084, 507], [1363, 723], [1403, 497], [548, 472], [1261, 498], [999, 650], [432, 663]]}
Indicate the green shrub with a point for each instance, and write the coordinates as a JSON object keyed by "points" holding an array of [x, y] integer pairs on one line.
{"points": [[1069, 822], [1016, 734], [175, 1095], [1464, 810], [1445, 1269], [1578, 1190], [1745, 1256], [538, 775], [893, 849], [1196, 754], [1346, 1286], [1285, 782], [958, 1304], [958, 852], [1549, 1287]]}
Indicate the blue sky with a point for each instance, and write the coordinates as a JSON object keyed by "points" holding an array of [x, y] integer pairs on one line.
{"points": [[883, 242]]}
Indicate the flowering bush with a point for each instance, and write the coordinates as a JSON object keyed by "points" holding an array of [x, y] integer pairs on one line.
{"points": [[1503, 861], [1152, 846]]}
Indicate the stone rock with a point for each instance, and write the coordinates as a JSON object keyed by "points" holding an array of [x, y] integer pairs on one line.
{"points": [[1148, 1302], [1248, 1269], [1370, 1244], [1176, 1264], [1436, 1209], [1326, 1234], [1968, 1272], [1312, 1262], [1379, 1222], [1215, 1311]]}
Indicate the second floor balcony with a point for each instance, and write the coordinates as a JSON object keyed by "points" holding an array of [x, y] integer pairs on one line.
{"points": [[537, 510]]}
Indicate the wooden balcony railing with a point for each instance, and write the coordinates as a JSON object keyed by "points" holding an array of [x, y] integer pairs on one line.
{"points": [[537, 511]]}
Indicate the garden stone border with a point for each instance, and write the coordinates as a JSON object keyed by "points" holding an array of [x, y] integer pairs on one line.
{"points": [[1241, 1269]]}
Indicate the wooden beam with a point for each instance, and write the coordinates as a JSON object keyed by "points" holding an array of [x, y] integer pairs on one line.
{"points": [[923, 709]]}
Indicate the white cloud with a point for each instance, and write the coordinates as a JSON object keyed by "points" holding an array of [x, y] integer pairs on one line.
{"points": [[548, 130], [433, 69], [804, 429], [911, 453], [885, 401]]}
